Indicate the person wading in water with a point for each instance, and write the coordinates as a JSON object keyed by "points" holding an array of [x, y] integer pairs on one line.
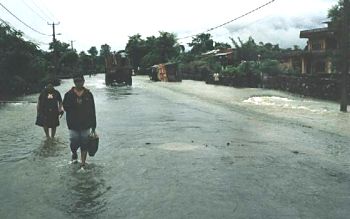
{"points": [[79, 105], [49, 107]]}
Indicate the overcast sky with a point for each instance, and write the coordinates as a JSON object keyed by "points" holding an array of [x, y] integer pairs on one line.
{"points": [[93, 23]]}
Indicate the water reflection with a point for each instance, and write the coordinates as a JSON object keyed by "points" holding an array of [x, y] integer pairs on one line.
{"points": [[118, 92], [87, 197], [49, 148]]}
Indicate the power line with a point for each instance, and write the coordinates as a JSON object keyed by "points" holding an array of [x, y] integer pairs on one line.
{"points": [[243, 27], [22, 21], [34, 11], [50, 13], [23, 34], [239, 17], [41, 10]]}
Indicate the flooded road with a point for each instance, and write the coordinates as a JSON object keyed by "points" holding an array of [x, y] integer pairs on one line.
{"points": [[181, 150]]}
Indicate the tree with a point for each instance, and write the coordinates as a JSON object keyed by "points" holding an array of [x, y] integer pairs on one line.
{"points": [[136, 49], [59, 47], [84, 62], [167, 46], [105, 50], [219, 45], [70, 61], [93, 53], [201, 43], [22, 64], [247, 51], [335, 14], [153, 50]]}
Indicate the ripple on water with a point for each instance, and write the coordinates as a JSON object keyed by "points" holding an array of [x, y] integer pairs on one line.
{"points": [[85, 192]]}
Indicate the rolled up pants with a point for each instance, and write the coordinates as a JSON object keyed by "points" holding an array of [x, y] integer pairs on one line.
{"points": [[78, 139]]}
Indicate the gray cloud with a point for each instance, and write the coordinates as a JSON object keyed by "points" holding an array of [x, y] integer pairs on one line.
{"points": [[277, 30]]}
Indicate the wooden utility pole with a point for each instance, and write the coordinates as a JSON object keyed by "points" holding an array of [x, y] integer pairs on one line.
{"points": [[71, 44], [55, 52], [344, 46], [53, 30]]}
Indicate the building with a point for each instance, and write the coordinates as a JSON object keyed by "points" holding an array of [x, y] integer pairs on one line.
{"points": [[316, 58], [223, 55], [321, 47]]}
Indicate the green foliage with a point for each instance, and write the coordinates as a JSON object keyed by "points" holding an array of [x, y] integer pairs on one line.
{"points": [[153, 50], [335, 13], [201, 44], [105, 50], [22, 65], [272, 67], [250, 51], [219, 45], [230, 70], [84, 62], [59, 47], [70, 59], [203, 67], [93, 51], [337, 17]]}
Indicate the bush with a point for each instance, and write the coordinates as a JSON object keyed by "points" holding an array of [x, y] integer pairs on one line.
{"points": [[271, 67]]}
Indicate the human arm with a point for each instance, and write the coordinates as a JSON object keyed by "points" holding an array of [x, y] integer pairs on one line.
{"points": [[60, 104], [93, 114], [67, 102]]}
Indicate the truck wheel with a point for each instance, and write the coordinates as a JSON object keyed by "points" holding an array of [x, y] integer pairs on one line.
{"points": [[129, 81], [107, 79]]}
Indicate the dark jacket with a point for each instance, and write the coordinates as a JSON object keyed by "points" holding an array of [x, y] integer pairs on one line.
{"points": [[49, 101], [80, 111]]}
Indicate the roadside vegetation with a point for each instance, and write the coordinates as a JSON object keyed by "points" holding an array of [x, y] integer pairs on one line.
{"points": [[24, 68]]}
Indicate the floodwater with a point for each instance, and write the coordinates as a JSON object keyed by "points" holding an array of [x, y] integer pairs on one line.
{"points": [[181, 150]]}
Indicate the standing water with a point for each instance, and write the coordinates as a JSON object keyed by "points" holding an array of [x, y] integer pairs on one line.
{"points": [[180, 150]]}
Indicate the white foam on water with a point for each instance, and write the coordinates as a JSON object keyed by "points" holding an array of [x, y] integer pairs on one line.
{"points": [[281, 102], [177, 146]]}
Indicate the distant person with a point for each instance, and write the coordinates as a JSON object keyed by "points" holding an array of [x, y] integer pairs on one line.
{"points": [[49, 107], [79, 105]]}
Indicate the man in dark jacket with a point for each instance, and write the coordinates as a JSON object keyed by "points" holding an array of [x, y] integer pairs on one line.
{"points": [[79, 105]]}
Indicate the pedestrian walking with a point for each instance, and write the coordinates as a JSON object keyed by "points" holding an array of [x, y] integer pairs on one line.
{"points": [[79, 105], [49, 107]]}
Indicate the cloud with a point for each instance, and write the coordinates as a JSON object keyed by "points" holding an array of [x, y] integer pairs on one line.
{"points": [[277, 30]]}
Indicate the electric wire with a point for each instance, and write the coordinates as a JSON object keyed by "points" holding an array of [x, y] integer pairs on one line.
{"points": [[230, 21], [23, 21], [41, 10], [47, 9], [34, 11], [24, 34]]}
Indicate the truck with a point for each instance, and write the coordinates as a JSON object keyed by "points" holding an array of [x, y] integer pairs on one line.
{"points": [[118, 69], [168, 72]]}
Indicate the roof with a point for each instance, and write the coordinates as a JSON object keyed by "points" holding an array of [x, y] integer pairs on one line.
{"points": [[223, 53], [325, 31], [211, 52]]}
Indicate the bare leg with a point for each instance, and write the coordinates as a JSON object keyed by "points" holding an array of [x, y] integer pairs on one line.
{"points": [[46, 130], [83, 157], [53, 132]]}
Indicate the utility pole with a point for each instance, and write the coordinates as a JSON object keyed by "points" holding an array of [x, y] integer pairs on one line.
{"points": [[71, 44], [345, 56], [53, 30], [55, 52]]}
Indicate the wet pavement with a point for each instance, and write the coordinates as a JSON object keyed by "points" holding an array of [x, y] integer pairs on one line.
{"points": [[181, 150]]}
